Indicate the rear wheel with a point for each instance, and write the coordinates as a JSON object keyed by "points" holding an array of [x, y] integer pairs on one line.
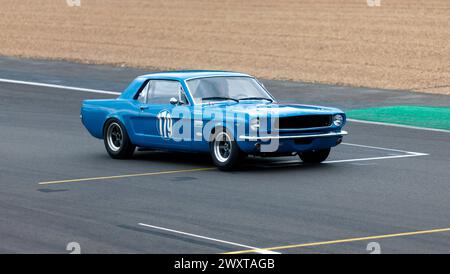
{"points": [[117, 142], [224, 151], [315, 156]]}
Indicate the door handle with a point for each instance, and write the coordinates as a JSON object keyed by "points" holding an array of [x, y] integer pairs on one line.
{"points": [[143, 107]]}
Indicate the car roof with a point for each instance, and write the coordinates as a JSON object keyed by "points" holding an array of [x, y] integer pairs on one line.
{"points": [[190, 74]]}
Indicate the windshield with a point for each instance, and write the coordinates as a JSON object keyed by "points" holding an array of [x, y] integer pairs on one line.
{"points": [[227, 88]]}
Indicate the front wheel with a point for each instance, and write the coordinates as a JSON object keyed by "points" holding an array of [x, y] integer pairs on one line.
{"points": [[315, 156], [117, 142], [224, 151]]}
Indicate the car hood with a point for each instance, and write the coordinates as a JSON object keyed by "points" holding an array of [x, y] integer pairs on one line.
{"points": [[281, 110]]}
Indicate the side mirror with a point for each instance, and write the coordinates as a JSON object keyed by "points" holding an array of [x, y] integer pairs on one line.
{"points": [[173, 101]]}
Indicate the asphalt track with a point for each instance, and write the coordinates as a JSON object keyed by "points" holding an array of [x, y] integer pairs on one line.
{"points": [[387, 182]]}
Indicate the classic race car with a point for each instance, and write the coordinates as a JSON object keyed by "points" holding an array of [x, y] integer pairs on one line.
{"points": [[228, 114]]}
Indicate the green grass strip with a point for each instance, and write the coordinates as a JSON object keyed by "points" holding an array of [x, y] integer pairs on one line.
{"points": [[419, 116]]}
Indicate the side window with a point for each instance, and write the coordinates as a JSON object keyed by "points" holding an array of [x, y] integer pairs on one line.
{"points": [[143, 94], [160, 91], [183, 98]]}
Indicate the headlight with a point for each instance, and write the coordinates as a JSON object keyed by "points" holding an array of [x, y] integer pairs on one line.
{"points": [[338, 120], [254, 124]]}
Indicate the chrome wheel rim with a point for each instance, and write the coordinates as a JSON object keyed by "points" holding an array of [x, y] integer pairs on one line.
{"points": [[114, 136], [222, 147]]}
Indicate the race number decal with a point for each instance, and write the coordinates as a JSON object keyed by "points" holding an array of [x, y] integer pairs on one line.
{"points": [[165, 124]]}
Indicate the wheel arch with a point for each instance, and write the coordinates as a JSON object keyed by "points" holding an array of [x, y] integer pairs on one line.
{"points": [[110, 118], [220, 127]]}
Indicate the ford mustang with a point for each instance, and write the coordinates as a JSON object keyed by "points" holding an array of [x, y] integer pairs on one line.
{"points": [[227, 114]]}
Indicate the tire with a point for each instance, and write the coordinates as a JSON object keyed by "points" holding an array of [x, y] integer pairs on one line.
{"points": [[117, 142], [315, 156], [224, 150]]}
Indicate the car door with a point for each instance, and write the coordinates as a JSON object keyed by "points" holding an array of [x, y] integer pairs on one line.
{"points": [[154, 125]]}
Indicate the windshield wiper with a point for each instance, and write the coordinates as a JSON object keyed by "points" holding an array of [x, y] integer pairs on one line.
{"points": [[256, 98], [219, 98]]}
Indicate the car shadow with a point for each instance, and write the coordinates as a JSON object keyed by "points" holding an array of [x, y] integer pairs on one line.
{"points": [[249, 164], [200, 159]]}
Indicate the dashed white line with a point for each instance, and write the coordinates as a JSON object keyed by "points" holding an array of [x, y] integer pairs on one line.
{"points": [[257, 250]]}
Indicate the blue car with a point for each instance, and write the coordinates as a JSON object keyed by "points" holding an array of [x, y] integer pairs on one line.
{"points": [[227, 114]]}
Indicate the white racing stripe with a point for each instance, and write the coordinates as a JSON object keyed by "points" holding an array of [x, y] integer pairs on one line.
{"points": [[257, 250], [58, 86]]}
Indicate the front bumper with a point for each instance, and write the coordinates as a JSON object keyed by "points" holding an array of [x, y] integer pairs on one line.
{"points": [[272, 137], [285, 144]]}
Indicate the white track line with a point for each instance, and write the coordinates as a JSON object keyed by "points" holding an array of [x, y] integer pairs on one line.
{"points": [[408, 154], [118, 93], [397, 125], [373, 158], [257, 250], [59, 86], [383, 148], [356, 159]]}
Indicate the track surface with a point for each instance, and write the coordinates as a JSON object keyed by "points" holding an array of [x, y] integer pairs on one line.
{"points": [[269, 203]]}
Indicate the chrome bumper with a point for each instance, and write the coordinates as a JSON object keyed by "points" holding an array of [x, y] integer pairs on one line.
{"points": [[318, 135]]}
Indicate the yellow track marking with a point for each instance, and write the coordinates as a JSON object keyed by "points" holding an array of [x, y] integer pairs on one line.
{"points": [[345, 240], [125, 176]]}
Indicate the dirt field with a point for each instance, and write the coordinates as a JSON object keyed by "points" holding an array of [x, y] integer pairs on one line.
{"points": [[403, 44]]}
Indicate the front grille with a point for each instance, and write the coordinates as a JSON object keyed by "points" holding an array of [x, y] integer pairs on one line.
{"points": [[305, 121]]}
